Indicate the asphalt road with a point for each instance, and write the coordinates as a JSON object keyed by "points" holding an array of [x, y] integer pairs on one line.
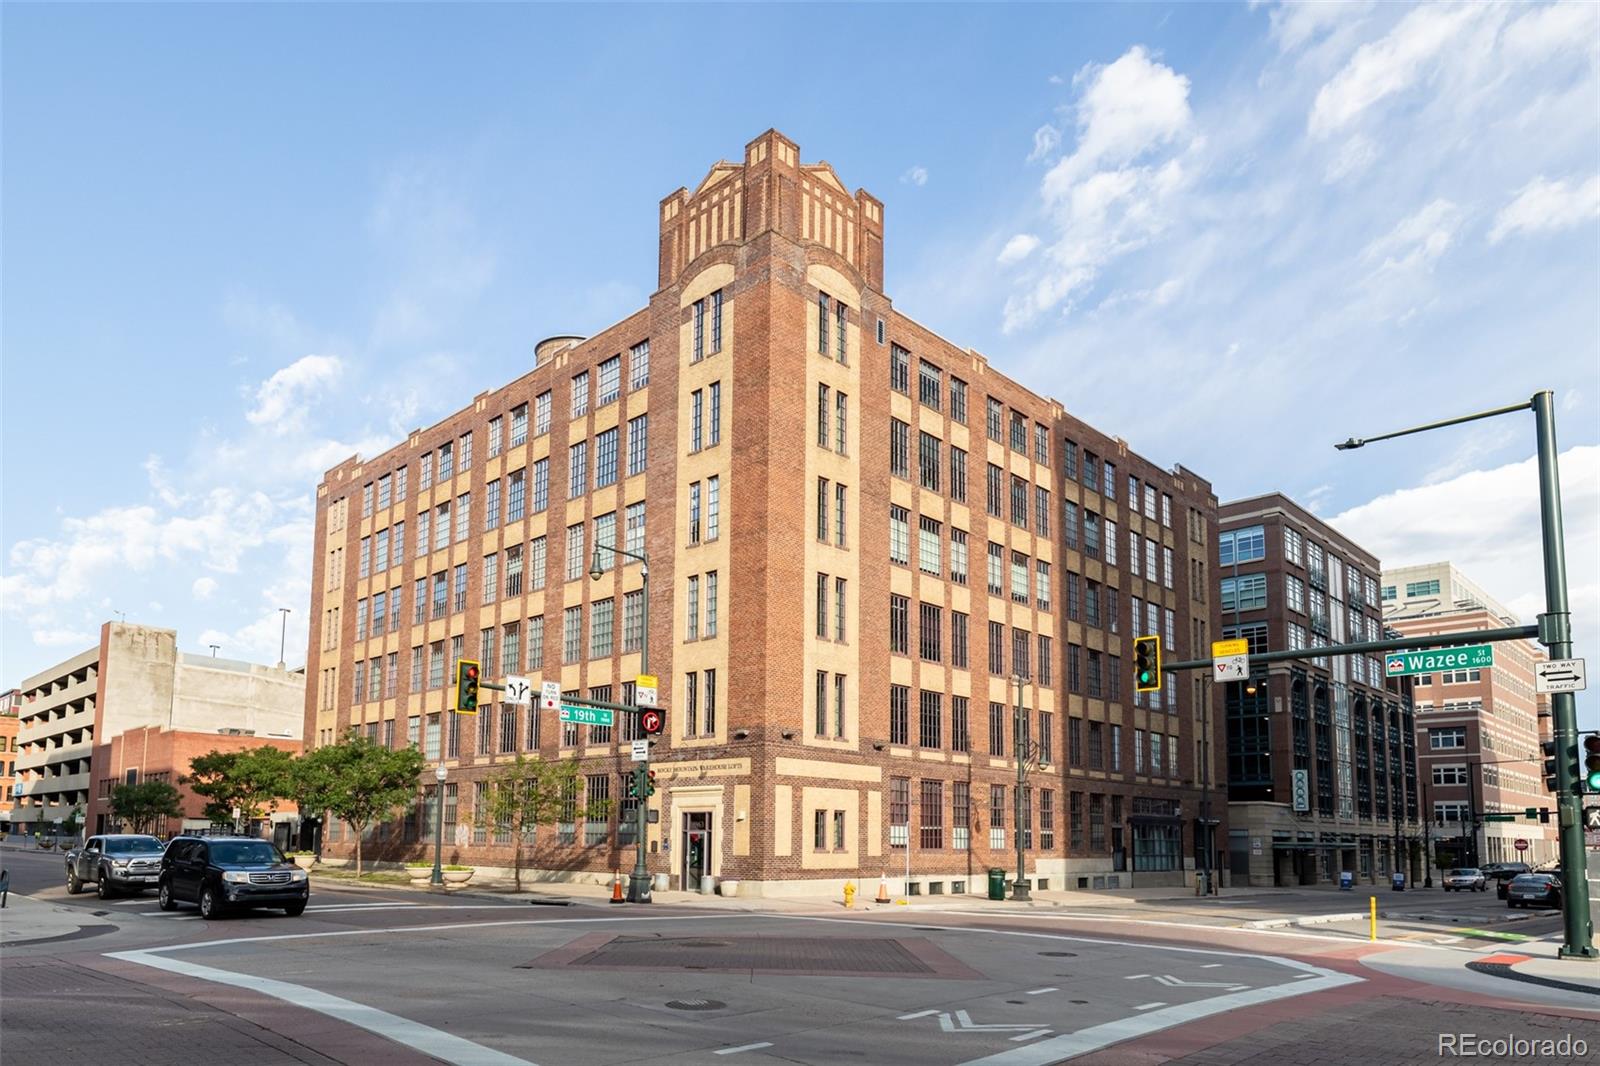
{"points": [[396, 976]]}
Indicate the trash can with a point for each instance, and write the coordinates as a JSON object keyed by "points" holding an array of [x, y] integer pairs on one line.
{"points": [[997, 884], [1398, 882], [1347, 880]]}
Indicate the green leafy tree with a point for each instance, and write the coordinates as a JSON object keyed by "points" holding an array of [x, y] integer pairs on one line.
{"points": [[358, 781], [252, 780], [139, 806], [528, 792]]}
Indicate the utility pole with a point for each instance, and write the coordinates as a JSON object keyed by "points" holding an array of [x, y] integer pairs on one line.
{"points": [[1555, 633], [639, 881], [439, 774]]}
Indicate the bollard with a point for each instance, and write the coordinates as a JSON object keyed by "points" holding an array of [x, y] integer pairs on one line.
{"points": [[1372, 921]]}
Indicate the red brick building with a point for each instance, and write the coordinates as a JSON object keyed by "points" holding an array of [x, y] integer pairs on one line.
{"points": [[9, 724], [862, 540], [152, 753]]}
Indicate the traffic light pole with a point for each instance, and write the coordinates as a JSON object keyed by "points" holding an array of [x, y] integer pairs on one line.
{"points": [[1555, 633], [639, 882]]}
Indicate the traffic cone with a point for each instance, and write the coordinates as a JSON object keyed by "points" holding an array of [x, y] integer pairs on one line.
{"points": [[616, 890], [883, 890]]}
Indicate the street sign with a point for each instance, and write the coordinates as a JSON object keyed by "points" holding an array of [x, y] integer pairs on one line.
{"points": [[549, 695], [1520, 844], [518, 690], [644, 697], [1230, 668], [641, 750], [587, 715], [652, 721], [1500, 817], [1300, 789], [1559, 675], [1222, 649], [1472, 657]]}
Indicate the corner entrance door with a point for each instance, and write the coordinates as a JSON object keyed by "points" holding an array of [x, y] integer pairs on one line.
{"points": [[696, 848]]}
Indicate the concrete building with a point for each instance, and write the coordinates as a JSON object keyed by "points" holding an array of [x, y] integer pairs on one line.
{"points": [[73, 714], [9, 725], [1289, 581], [1478, 731], [858, 534]]}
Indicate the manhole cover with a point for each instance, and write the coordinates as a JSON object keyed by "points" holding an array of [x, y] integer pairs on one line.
{"points": [[696, 1004], [1059, 954]]}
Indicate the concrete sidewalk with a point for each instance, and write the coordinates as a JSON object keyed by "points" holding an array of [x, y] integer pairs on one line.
{"points": [[26, 920]]}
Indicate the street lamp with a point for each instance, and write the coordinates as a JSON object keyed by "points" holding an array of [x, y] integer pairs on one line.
{"points": [[439, 774], [639, 880], [283, 635]]}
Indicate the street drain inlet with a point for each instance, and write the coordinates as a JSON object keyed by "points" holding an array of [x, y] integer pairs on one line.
{"points": [[696, 1004], [1059, 954]]}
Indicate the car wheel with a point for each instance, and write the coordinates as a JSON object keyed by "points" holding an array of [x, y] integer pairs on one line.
{"points": [[102, 887], [210, 908], [295, 910], [164, 898], [74, 885]]}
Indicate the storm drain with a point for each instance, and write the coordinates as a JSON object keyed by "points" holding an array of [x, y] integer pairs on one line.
{"points": [[821, 956], [696, 1004]]}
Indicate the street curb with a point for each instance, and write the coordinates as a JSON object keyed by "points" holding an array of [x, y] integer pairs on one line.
{"points": [[1314, 919]]}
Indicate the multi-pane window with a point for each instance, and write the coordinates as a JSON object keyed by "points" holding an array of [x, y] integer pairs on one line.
{"points": [[697, 419], [1019, 501], [958, 556], [713, 507], [538, 561], [959, 655], [463, 516], [576, 562], [928, 449], [928, 545], [1041, 445], [692, 607], [930, 387], [605, 459], [711, 603], [1019, 577], [992, 420], [633, 531], [1019, 433], [632, 621], [491, 577], [541, 413], [824, 304], [580, 394], [931, 834], [1294, 593], [839, 586], [1247, 592], [602, 622], [899, 624], [466, 451], [997, 648], [899, 714], [384, 492], [839, 522], [899, 448], [497, 429], [519, 424], [958, 400], [930, 719], [899, 535], [447, 464], [899, 369], [994, 491], [609, 380], [958, 474], [639, 365], [605, 533], [715, 397], [960, 815], [577, 469], [1241, 545], [996, 567], [930, 632], [541, 485], [1041, 512], [823, 499], [997, 728], [716, 321], [823, 407], [572, 634], [460, 598], [638, 443], [1069, 524], [491, 504], [997, 817], [425, 471], [694, 512], [841, 423]]}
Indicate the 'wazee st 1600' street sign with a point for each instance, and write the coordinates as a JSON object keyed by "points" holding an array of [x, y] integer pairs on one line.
{"points": [[1472, 657]]}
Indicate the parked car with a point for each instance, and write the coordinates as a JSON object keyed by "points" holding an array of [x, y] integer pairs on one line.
{"points": [[1526, 889], [1465, 879], [114, 863], [1501, 874], [221, 874]]}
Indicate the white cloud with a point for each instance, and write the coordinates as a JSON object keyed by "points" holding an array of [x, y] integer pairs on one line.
{"points": [[917, 175], [282, 400], [1046, 139], [1391, 64], [59, 637], [1418, 240], [1113, 193], [203, 588], [1297, 24], [1355, 156], [1018, 248], [1547, 29], [1545, 206]]}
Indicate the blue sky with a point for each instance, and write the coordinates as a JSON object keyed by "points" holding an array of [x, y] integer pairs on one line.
{"points": [[245, 242]]}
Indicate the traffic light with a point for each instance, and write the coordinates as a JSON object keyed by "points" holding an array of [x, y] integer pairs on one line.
{"points": [[1591, 763], [1147, 664], [1548, 747], [466, 686], [650, 790], [632, 784]]}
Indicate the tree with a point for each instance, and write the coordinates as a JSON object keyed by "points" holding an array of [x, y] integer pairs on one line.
{"points": [[251, 780], [139, 806], [528, 792], [358, 781]]}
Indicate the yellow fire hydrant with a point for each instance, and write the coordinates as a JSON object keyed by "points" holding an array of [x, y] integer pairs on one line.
{"points": [[849, 894]]}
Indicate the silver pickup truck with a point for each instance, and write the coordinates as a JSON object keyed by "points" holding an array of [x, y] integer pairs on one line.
{"points": [[115, 863]]}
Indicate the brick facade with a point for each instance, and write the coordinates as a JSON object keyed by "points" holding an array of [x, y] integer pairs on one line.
{"points": [[155, 754], [812, 405]]}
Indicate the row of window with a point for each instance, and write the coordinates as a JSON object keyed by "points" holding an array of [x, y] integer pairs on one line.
{"points": [[454, 456]]}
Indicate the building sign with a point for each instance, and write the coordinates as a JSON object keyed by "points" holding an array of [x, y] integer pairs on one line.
{"points": [[703, 768]]}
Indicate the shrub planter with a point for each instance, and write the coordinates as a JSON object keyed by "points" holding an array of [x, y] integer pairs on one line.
{"points": [[304, 859], [420, 875], [729, 887], [455, 878]]}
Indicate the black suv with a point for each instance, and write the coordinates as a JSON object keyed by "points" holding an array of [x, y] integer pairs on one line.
{"points": [[224, 873]]}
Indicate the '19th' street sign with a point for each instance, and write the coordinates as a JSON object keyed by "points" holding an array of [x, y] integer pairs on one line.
{"points": [[1472, 657]]}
